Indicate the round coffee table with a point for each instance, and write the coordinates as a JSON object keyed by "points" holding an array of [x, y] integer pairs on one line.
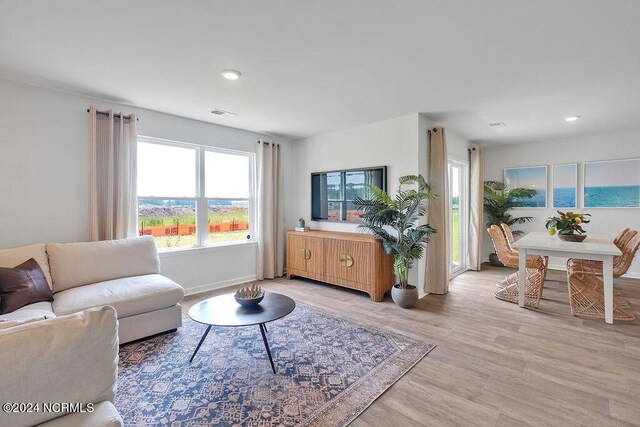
{"points": [[223, 310]]}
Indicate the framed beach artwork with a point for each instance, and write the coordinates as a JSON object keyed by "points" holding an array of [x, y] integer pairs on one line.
{"points": [[612, 184], [564, 190], [534, 177]]}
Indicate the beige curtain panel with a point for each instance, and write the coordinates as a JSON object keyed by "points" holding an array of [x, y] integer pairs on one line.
{"points": [[476, 213], [112, 176], [270, 211], [438, 262]]}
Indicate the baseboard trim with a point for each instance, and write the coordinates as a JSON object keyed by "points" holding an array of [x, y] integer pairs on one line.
{"points": [[218, 285]]}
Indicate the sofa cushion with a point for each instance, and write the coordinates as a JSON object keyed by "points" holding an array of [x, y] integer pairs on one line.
{"points": [[104, 415], [38, 311], [129, 295], [77, 264], [14, 256], [70, 359], [22, 285]]}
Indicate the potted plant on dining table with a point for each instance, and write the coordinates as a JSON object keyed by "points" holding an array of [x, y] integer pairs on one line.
{"points": [[568, 226]]}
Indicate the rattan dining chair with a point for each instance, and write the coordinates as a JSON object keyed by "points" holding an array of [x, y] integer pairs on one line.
{"points": [[510, 257], [581, 269], [587, 300], [507, 289], [511, 240], [508, 234], [629, 246], [619, 239]]}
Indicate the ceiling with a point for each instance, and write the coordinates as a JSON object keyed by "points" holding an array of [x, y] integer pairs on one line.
{"points": [[311, 67]]}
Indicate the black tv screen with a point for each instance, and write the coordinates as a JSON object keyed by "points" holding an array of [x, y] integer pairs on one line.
{"points": [[332, 193]]}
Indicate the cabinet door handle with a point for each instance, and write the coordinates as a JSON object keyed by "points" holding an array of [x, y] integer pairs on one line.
{"points": [[346, 260], [306, 253]]}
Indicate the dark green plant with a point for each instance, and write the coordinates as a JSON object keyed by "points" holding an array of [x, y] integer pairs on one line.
{"points": [[381, 212], [498, 201], [567, 223]]}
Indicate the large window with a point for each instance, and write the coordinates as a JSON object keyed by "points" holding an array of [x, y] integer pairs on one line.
{"points": [[192, 195]]}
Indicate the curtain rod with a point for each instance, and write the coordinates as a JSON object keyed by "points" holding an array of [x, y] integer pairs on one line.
{"points": [[268, 143], [106, 113]]}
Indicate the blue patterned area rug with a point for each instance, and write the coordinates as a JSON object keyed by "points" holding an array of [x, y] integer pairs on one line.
{"points": [[330, 369]]}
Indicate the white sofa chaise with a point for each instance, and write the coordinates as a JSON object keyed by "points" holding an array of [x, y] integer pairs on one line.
{"points": [[70, 360], [124, 274]]}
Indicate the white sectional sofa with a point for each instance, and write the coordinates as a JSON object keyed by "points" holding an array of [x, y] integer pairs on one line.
{"points": [[64, 360], [124, 274]]}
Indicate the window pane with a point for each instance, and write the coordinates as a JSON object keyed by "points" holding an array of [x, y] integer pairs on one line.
{"points": [[455, 184], [172, 223], [334, 186], [357, 181], [226, 175], [228, 220], [166, 171], [353, 214], [334, 212]]}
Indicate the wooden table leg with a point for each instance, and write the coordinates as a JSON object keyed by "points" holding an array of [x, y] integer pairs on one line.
{"points": [[607, 279], [522, 275]]}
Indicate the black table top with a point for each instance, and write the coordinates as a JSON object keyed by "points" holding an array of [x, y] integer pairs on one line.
{"points": [[223, 310]]}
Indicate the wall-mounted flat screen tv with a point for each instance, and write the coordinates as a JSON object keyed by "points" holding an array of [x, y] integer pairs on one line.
{"points": [[332, 193]]}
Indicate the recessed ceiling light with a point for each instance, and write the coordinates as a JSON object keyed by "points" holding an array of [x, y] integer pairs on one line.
{"points": [[231, 74], [571, 118]]}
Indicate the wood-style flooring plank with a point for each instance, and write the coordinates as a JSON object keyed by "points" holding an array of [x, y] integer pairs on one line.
{"points": [[495, 363]]}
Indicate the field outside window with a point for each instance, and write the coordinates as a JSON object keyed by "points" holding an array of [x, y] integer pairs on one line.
{"points": [[191, 196]]}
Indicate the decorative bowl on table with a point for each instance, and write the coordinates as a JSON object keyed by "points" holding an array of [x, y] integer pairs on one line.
{"points": [[572, 237], [249, 296]]}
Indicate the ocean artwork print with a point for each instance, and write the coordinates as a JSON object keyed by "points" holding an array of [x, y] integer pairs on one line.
{"points": [[565, 185], [612, 184], [534, 177]]}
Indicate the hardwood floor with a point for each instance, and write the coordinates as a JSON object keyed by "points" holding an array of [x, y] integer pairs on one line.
{"points": [[496, 364]]}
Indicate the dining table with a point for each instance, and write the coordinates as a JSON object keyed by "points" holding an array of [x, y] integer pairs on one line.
{"points": [[596, 247]]}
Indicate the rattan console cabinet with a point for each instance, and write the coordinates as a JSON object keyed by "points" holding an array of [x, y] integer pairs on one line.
{"points": [[352, 260]]}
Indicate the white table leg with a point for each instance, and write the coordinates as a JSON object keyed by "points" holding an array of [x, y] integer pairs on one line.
{"points": [[607, 276], [522, 275]]}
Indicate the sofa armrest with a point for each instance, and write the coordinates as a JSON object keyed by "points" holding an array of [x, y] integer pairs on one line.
{"points": [[68, 359]]}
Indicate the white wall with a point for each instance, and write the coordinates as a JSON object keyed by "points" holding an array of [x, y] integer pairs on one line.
{"points": [[399, 143], [44, 155], [609, 146], [392, 143]]}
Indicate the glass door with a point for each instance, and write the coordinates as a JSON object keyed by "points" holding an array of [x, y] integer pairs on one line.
{"points": [[458, 216]]}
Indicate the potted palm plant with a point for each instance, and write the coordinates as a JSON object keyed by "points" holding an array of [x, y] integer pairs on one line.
{"points": [[394, 222], [498, 201]]}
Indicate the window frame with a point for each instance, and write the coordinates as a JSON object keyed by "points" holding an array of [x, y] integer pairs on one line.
{"points": [[202, 202]]}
